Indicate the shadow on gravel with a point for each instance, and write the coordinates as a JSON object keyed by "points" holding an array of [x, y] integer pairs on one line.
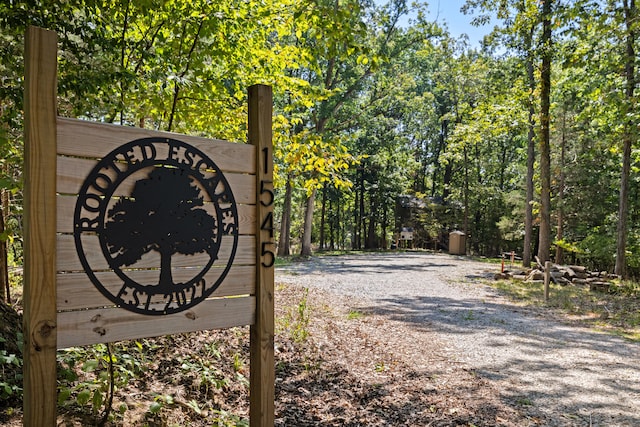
{"points": [[468, 316], [569, 375], [365, 264], [516, 347]]}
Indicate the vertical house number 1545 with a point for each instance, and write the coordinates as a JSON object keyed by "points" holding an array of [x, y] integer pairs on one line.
{"points": [[266, 200]]}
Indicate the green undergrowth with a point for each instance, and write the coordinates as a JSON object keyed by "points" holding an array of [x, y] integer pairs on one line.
{"points": [[355, 315], [616, 311], [178, 380], [295, 321], [183, 380], [193, 379]]}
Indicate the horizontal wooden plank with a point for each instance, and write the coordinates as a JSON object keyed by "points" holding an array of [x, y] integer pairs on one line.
{"points": [[68, 261], [86, 327], [72, 172], [76, 291], [66, 206], [89, 139]]}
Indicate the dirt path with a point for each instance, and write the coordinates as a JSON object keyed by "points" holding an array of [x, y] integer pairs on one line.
{"points": [[571, 375]]}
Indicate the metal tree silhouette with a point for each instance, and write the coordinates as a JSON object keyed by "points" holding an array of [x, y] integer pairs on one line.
{"points": [[162, 214]]}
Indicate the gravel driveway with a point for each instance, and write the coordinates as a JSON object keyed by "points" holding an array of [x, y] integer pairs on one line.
{"points": [[573, 376]]}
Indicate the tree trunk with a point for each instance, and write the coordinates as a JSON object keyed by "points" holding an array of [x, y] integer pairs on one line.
{"points": [[308, 224], [5, 287], [176, 87], [623, 208], [545, 150], [123, 62], [323, 216], [340, 233], [465, 227], [355, 239], [385, 225], [371, 229], [332, 227], [5, 290], [560, 229], [284, 245], [448, 170], [420, 182], [531, 157], [528, 208], [446, 182], [361, 224]]}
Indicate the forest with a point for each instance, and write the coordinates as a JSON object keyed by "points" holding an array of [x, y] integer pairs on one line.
{"points": [[382, 119]]}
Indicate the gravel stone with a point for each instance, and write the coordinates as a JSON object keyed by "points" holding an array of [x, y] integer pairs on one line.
{"points": [[570, 375]]}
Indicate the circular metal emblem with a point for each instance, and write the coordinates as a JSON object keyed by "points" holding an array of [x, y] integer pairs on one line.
{"points": [[151, 220]]}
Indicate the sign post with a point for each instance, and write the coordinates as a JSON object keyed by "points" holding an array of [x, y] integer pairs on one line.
{"points": [[125, 225], [39, 222], [262, 331]]}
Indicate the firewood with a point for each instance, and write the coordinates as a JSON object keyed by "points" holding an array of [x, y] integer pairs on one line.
{"points": [[568, 273], [578, 268], [535, 275]]}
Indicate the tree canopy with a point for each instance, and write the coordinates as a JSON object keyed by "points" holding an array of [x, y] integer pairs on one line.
{"points": [[526, 143]]}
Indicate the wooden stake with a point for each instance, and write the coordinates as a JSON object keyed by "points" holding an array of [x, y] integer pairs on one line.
{"points": [[262, 331], [547, 279], [40, 228]]}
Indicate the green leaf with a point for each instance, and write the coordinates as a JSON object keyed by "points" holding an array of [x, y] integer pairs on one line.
{"points": [[90, 365], [83, 397], [97, 399], [63, 395], [155, 407], [7, 390]]}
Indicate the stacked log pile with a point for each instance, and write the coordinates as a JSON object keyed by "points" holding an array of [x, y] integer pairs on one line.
{"points": [[565, 275]]}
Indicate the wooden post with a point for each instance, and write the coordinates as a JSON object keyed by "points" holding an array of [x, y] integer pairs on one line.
{"points": [[262, 331], [547, 279], [40, 228]]}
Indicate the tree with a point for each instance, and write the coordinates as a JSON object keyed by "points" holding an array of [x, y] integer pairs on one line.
{"points": [[488, 144], [284, 248], [519, 34], [346, 53], [630, 17], [334, 35], [15, 16], [529, 56], [596, 74], [544, 238], [416, 111], [162, 214], [531, 158]]}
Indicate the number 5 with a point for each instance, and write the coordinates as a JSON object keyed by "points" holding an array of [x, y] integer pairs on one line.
{"points": [[263, 190], [266, 251]]}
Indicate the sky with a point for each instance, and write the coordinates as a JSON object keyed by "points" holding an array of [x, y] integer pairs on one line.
{"points": [[457, 22]]}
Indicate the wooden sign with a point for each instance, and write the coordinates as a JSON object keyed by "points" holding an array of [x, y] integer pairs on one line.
{"points": [[134, 233], [148, 223]]}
